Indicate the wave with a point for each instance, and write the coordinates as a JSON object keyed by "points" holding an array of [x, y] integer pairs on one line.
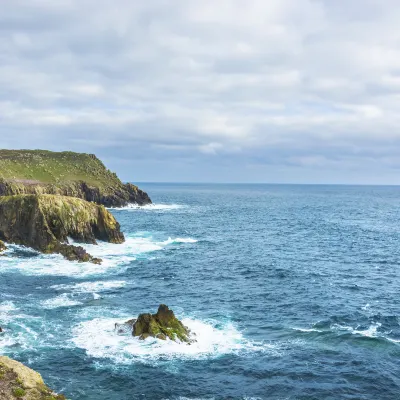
{"points": [[113, 255], [178, 240], [7, 309], [98, 338], [375, 327], [63, 300], [84, 287], [149, 207]]}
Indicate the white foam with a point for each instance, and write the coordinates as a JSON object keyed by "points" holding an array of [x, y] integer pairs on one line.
{"points": [[113, 256], [7, 309], [149, 207], [371, 332], [84, 287], [178, 240], [307, 330], [99, 339], [63, 300], [366, 307]]}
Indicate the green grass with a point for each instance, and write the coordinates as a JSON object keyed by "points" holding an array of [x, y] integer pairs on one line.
{"points": [[18, 392], [55, 167]]}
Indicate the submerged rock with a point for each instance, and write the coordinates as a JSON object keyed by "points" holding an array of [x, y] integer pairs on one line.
{"points": [[161, 325], [19, 381], [46, 222], [3, 247]]}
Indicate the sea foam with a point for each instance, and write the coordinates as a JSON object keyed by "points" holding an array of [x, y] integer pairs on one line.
{"points": [[115, 257], [149, 207], [99, 339], [63, 300]]}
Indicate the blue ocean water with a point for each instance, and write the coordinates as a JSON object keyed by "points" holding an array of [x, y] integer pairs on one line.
{"points": [[293, 292]]}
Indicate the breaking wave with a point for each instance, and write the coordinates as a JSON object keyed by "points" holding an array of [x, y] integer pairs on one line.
{"points": [[98, 338]]}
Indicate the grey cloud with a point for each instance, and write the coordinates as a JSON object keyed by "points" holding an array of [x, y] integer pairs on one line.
{"points": [[223, 86]]}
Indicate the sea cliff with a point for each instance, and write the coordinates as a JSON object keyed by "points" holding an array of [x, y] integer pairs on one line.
{"points": [[48, 222], [66, 173]]}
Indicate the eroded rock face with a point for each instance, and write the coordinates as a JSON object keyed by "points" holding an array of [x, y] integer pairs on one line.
{"points": [[161, 325], [19, 381], [46, 222]]}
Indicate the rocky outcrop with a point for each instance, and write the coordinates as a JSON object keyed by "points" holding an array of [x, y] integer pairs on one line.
{"points": [[161, 325], [46, 222], [19, 381], [3, 247], [66, 174], [117, 196]]}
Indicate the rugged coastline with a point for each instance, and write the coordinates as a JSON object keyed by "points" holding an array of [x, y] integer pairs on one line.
{"points": [[47, 197], [66, 173]]}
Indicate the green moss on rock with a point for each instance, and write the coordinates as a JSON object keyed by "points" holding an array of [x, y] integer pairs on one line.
{"points": [[46, 222], [161, 325]]}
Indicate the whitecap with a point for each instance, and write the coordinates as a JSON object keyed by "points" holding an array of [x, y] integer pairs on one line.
{"points": [[371, 331], [63, 300], [113, 256], [98, 338], [97, 286], [7, 309], [178, 240], [307, 330], [150, 207]]}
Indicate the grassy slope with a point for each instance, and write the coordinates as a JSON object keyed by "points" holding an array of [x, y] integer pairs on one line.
{"points": [[51, 167]]}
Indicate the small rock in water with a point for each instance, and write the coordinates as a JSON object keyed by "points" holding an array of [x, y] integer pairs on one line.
{"points": [[161, 325]]}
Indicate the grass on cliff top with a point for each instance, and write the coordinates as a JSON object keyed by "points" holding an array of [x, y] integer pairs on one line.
{"points": [[54, 167]]}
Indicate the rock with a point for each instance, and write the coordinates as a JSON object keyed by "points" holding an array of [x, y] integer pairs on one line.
{"points": [[161, 325], [19, 381], [66, 174], [3, 247], [46, 222]]}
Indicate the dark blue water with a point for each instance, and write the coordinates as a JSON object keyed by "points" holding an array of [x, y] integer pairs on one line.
{"points": [[293, 292]]}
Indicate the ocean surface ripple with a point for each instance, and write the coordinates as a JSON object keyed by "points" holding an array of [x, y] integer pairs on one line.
{"points": [[293, 292]]}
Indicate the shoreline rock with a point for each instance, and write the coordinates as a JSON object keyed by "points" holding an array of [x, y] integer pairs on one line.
{"points": [[3, 247], [19, 381], [46, 222], [161, 325]]}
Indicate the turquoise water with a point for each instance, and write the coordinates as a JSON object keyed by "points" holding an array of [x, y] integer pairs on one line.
{"points": [[293, 292]]}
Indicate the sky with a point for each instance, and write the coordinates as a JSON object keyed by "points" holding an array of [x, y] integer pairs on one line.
{"points": [[277, 91]]}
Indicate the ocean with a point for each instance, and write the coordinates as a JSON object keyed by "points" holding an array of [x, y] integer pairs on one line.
{"points": [[293, 292]]}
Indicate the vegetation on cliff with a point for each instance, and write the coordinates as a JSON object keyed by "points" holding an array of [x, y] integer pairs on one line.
{"points": [[20, 382], [65, 173], [46, 222]]}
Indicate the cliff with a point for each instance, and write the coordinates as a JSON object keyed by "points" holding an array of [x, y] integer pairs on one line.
{"points": [[46, 222], [65, 173], [19, 381]]}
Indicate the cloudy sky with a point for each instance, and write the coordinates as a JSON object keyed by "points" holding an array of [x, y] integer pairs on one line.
{"points": [[303, 91]]}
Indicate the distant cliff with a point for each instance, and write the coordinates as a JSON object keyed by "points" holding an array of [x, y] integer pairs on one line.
{"points": [[65, 173], [18, 381]]}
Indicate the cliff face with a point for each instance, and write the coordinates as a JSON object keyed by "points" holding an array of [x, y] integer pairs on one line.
{"points": [[19, 381], [45, 222], [67, 174]]}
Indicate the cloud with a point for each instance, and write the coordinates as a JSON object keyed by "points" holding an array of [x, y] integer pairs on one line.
{"points": [[217, 87]]}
